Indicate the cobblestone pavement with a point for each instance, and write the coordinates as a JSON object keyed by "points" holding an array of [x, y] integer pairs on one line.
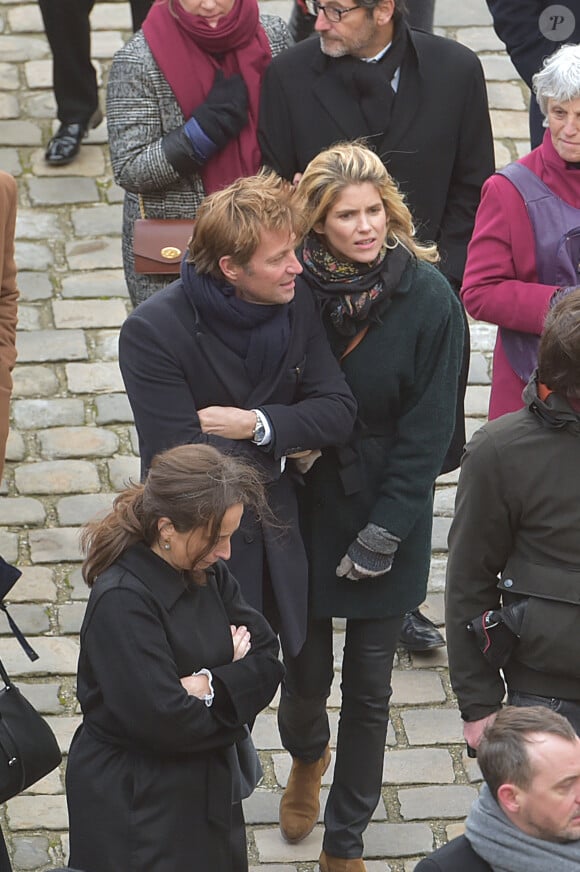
{"points": [[73, 445]]}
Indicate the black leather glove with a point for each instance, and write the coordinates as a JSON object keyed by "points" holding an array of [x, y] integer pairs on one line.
{"points": [[225, 111], [371, 554]]}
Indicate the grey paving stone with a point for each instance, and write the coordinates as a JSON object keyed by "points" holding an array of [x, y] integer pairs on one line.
{"points": [[32, 414], [55, 191], [57, 477], [9, 76], [99, 283], [273, 849], [98, 220], [105, 43], [440, 533], [509, 124], [397, 840], [115, 194], [106, 344], [41, 105], [50, 784], [37, 224], [76, 584], [9, 106], [34, 381], [432, 726], [435, 658], [478, 369], [92, 378], [506, 95], [29, 317], [112, 409], [418, 766], [444, 503], [262, 807], [437, 574], [81, 442], [448, 13], [32, 619], [19, 132], [21, 48], [51, 345], [30, 852], [36, 584], [24, 812], [44, 697], [34, 286], [479, 39], [10, 161], [471, 767], [15, 447], [54, 545], [503, 156], [103, 253], [15, 511], [107, 15], [477, 401], [124, 470], [38, 74], [9, 546], [448, 801], [89, 163], [33, 255], [416, 687], [57, 655], [88, 314], [70, 617], [81, 508], [25, 18], [498, 68]]}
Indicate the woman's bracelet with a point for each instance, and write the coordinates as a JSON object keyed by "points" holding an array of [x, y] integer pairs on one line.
{"points": [[207, 697]]}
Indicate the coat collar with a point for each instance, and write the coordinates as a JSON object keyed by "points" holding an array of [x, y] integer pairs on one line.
{"points": [[327, 89], [554, 412], [166, 584]]}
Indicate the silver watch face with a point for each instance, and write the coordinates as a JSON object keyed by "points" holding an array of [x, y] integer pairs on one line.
{"points": [[259, 432]]}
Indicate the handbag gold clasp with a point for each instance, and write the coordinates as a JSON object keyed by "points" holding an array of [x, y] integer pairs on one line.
{"points": [[170, 252]]}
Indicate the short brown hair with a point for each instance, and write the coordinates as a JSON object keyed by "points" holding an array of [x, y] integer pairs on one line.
{"points": [[559, 355], [503, 751], [230, 222], [192, 485]]}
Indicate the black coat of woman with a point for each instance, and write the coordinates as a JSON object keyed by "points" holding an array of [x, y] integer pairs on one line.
{"points": [[150, 781]]}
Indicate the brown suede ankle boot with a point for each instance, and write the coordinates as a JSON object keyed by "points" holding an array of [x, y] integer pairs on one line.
{"points": [[300, 805], [340, 864]]}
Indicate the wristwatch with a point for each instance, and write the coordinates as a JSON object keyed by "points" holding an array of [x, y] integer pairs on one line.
{"points": [[259, 428]]}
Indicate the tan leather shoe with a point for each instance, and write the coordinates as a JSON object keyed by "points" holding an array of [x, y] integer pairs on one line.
{"points": [[300, 805], [340, 864]]}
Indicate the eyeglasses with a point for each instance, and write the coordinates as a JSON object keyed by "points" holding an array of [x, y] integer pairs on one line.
{"points": [[332, 13]]}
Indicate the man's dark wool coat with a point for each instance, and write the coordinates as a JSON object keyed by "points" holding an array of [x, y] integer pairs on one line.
{"points": [[457, 856], [173, 365], [438, 146]]}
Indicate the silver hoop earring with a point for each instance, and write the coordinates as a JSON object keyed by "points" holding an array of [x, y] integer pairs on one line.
{"points": [[397, 242]]}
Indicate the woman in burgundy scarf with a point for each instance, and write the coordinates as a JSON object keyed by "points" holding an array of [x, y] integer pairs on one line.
{"points": [[182, 109]]}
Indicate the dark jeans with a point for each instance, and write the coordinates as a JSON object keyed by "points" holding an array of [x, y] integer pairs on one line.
{"points": [[366, 689], [68, 31], [568, 708]]}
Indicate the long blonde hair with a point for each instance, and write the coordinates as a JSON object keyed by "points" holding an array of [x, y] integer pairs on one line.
{"points": [[352, 163]]}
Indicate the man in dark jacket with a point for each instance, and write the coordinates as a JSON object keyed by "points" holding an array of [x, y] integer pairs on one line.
{"points": [[234, 354], [517, 516], [420, 101], [527, 816], [532, 30]]}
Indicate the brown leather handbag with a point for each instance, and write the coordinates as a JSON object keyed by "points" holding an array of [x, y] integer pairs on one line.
{"points": [[159, 244]]}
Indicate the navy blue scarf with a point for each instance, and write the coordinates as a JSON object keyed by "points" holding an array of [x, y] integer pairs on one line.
{"points": [[258, 334]]}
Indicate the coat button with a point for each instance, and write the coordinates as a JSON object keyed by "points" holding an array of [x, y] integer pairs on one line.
{"points": [[508, 582], [248, 538]]}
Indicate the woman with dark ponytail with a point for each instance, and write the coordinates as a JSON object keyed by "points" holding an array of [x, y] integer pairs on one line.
{"points": [[173, 664]]}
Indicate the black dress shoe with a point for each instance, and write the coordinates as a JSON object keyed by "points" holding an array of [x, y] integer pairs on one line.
{"points": [[65, 144], [418, 633]]}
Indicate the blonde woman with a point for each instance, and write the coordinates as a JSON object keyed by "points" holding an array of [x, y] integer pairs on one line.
{"points": [[396, 325]]}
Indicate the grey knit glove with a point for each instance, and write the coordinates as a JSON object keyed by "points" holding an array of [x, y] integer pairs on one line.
{"points": [[371, 554]]}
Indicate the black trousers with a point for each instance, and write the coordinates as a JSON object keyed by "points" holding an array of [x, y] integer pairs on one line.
{"points": [[68, 31], [366, 689]]}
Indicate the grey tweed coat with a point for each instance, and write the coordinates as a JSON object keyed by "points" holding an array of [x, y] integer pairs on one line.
{"points": [[141, 110]]}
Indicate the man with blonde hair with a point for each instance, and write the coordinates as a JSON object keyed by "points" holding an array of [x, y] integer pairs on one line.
{"points": [[234, 354]]}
